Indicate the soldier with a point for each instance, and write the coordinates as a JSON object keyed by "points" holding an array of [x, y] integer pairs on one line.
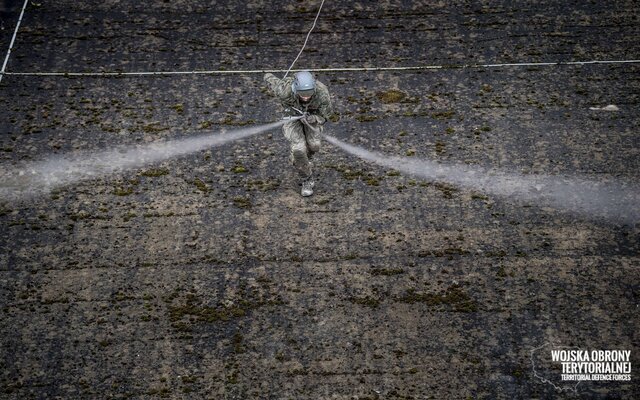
{"points": [[302, 94]]}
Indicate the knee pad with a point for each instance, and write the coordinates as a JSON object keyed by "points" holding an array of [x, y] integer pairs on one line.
{"points": [[314, 146], [299, 156], [299, 151]]}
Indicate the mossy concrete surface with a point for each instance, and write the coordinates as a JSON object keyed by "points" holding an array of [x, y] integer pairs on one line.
{"points": [[209, 276]]}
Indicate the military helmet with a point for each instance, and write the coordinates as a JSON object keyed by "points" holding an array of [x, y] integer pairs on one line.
{"points": [[304, 84]]}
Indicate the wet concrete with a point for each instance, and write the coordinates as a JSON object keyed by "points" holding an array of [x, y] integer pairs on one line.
{"points": [[208, 276]]}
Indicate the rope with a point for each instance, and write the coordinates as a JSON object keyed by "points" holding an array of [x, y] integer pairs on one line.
{"points": [[305, 41], [337, 69], [13, 39]]}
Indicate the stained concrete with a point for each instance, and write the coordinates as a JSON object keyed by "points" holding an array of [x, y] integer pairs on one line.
{"points": [[208, 276]]}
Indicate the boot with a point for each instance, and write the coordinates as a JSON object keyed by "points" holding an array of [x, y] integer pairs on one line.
{"points": [[307, 187]]}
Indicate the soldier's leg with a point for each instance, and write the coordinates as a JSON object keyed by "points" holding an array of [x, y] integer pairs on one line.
{"points": [[294, 132], [313, 137]]}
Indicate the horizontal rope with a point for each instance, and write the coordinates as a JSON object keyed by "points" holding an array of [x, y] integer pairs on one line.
{"points": [[339, 69]]}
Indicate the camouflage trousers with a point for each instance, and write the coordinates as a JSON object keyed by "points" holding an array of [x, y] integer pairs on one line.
{"points": [[304, 143]]}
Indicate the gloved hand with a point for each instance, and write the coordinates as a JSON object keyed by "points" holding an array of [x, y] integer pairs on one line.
{"points": [[310, 119]]}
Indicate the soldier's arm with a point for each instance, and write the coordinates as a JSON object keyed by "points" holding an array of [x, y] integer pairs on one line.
{"points": [[277, 86], [326, 108]]}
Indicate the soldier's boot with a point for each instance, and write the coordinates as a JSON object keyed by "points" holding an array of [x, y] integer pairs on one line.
{"points": [[307, 187]]}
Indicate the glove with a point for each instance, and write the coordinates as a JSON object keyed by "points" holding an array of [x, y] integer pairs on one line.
{"points": [[313, 119]]}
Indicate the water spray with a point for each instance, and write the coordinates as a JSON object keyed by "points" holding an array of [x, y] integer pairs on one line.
{"points": [[52, 173], [614, 201]]}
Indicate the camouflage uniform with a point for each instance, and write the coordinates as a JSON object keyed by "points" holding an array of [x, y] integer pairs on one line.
{"points": [[304, 139]]}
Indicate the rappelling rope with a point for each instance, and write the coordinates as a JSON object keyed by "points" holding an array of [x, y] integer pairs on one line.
{"points": [[306, 40], [13, 39]]}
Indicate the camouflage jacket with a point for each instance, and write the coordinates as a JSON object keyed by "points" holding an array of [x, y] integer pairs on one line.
{"points": [[320, 103]]}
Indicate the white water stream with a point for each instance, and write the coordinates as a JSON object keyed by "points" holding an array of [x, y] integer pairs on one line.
{"points": [[613, 201], [54, 172]]}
